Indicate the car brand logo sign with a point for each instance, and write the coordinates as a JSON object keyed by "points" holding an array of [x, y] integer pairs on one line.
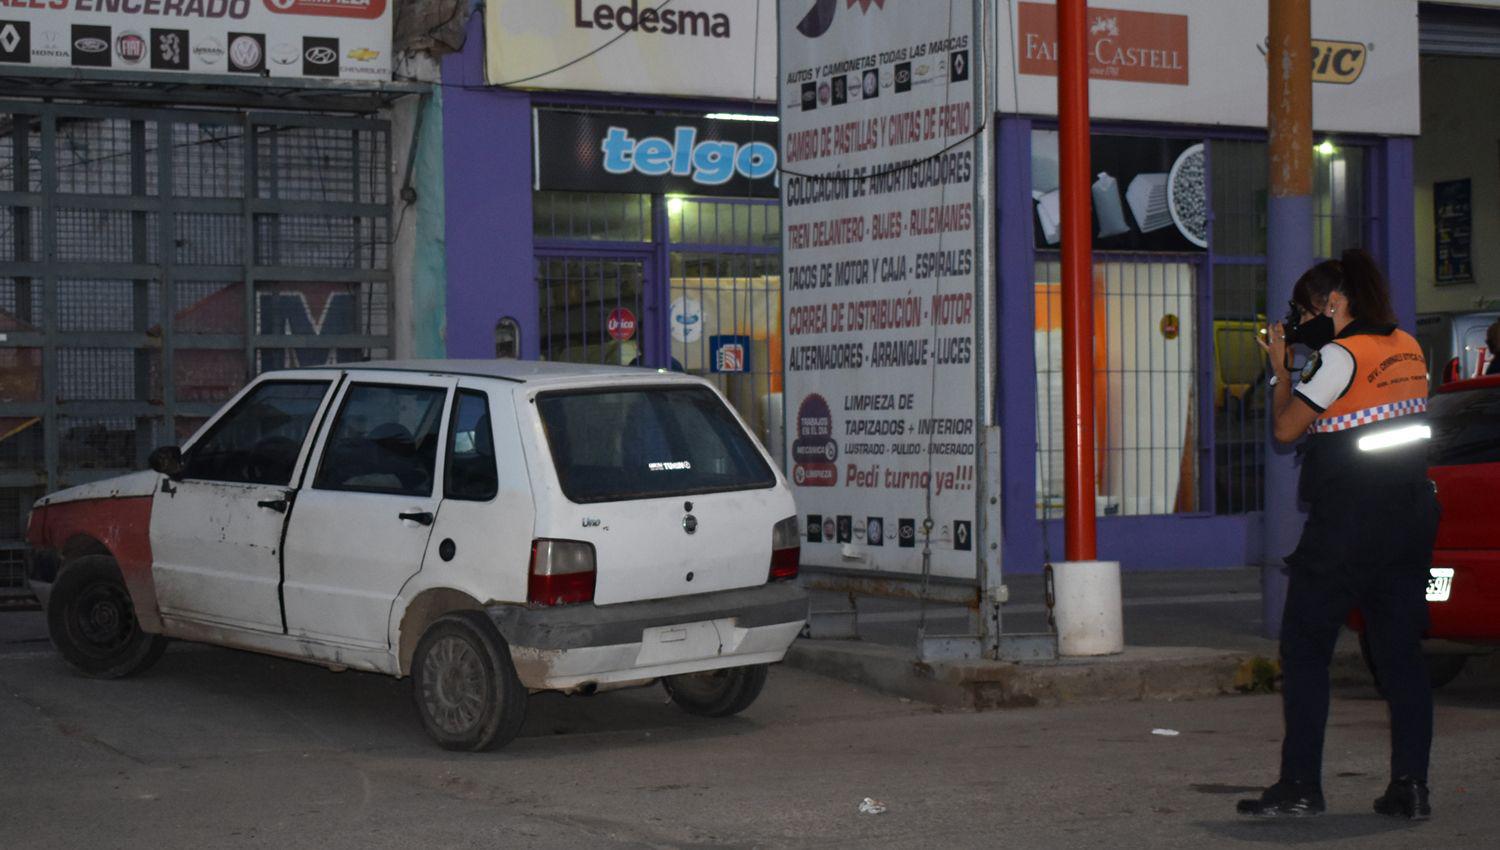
{"points": [[15, 41], [247, 52], [320, 57], [130, 47], [284, 54], [209, 52], [364, 54], [91, 46], [169, 50]]}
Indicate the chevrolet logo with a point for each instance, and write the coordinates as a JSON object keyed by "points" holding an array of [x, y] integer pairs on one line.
{"points": [[363, 54]]}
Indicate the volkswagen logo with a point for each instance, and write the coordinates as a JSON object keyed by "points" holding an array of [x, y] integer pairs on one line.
{"points": [[91, 45], [244, 52], [321, 55]]}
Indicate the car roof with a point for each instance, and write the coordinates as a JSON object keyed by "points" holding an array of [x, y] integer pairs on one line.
{"points": [[514, 371], [1480, 383]]}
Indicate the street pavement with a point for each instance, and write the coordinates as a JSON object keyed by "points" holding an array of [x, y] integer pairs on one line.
{"points": [[216, 748]]}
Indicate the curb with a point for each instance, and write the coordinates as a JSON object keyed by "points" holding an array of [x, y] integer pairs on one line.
{"points": [[1139, 673]]}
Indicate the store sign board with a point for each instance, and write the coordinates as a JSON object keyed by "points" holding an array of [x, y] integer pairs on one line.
{"points": [[348, 39], [690, 48], [683, 154], [1146, 47], [1186, 62], [881, 229]]}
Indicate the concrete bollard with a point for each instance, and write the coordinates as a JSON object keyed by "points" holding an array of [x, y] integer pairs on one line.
{"points": [[1090, 618]]}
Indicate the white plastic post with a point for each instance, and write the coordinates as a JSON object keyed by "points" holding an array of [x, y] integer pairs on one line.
{"points": [[1089, 615]]}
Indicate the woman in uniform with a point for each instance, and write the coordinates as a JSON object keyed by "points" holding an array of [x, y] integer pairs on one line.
{"points": [[1371, 523]]}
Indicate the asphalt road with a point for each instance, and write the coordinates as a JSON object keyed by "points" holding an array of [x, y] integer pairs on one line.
{"points": [[215, 748]]}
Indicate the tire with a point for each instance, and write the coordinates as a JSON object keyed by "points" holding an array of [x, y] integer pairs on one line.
{"points": [[465, 685], [1442, 667], [717, 693], [91, 620]]}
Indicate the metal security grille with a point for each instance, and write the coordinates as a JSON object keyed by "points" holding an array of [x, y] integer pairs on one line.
{"points": [[725, 308], [579, 296], [153, 260], [1149, 450]]}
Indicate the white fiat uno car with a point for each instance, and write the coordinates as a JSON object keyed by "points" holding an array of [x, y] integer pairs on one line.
{"points": [[489, 528]]}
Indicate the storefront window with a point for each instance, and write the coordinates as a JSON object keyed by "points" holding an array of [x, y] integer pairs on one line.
{"points": [[595, 216]]}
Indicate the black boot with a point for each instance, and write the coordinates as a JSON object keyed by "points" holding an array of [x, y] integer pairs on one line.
{"points": [[1405, 798], [1286, 799]]}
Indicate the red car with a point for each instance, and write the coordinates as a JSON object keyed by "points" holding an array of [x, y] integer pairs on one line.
{"points": [[1463, 593]]}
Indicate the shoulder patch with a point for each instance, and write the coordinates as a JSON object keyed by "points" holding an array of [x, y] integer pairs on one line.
{"points": [[1311, 367]]}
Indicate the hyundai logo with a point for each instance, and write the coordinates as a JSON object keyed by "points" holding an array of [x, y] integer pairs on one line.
{"points": [[321, 55]]}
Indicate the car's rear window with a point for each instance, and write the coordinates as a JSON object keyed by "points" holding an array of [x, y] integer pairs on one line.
{"points": [[1465, 427], [648, 442]]}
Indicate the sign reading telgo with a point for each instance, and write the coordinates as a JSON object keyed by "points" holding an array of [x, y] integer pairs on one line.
{"points": [[615, 152], [263, 38], [880, 115]]}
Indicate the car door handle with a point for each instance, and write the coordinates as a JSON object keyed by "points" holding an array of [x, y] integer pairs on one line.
{"points": [[423, 517], [277, 505]]}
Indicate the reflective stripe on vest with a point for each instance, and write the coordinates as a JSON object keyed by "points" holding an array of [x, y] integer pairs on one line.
{"points": [[1328, 425], [1390, 381]]}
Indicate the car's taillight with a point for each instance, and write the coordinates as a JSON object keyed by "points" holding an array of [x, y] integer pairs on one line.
{"points": [[562, 572], [786, 549]]}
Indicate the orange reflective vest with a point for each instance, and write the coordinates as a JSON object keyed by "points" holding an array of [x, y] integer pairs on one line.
{"points": [[1390, 380]]}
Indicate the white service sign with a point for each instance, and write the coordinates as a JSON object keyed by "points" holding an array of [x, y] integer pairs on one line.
{"points": [[1204, 62], [348, 39], [689, 48], [879, 289]]}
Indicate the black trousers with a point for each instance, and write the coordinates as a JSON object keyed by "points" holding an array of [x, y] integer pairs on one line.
{"points": [[1394, 605]]}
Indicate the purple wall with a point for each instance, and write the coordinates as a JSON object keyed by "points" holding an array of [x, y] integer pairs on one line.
{"points": [[487, 181]]}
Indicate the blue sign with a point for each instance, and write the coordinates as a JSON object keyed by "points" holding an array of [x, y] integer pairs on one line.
{"points": [[728, 353]]}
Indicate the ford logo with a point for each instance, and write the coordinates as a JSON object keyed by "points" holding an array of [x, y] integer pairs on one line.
{"points": [[91, 45], [321, 55]]}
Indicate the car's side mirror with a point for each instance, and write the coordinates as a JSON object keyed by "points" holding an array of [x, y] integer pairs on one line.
{"points": [[167, 460]]}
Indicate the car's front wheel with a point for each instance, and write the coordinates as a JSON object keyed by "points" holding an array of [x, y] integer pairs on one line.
{"points": [[717, 693], [92, 622], [465, 685]]}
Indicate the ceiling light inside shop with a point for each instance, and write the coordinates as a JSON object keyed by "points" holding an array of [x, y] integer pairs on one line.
{"points": [[1326, 148], [739, 116], [674, 206]]}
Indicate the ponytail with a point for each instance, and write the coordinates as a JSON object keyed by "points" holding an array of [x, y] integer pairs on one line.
{"points": [[1365, 287]]}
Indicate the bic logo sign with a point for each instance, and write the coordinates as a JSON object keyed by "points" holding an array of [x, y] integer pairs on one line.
{"points": [[708, 163]]}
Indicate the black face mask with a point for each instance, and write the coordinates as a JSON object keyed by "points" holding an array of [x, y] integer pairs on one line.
{"points": [[1314, 333]]}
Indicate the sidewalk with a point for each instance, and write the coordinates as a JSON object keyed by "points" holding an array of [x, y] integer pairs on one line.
{"points": [[1188, 634]]}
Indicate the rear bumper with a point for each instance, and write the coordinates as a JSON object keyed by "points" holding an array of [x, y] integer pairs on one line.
{"points": [[577, 646]]}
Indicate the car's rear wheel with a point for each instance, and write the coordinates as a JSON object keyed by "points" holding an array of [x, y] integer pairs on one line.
{"points": [[716, 693], [92, 621], [1442, 667], [465, 685]]}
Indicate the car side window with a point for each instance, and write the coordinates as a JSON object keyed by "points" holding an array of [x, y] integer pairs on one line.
{"points": [[384, 440], [471, 471], [258, 442]]}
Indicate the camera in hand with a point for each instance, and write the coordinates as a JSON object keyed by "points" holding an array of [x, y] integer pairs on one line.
{"points": [[1292, 324]]}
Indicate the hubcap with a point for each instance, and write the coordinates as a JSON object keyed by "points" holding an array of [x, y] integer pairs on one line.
{"points": [[103, 617], [453, 685]]}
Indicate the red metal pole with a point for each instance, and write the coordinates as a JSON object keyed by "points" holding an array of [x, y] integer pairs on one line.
{"points": [[1078, 275]]}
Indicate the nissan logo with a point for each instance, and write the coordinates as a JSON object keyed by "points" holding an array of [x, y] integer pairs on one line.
{"points": [[321, 55], [91, 45]]}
